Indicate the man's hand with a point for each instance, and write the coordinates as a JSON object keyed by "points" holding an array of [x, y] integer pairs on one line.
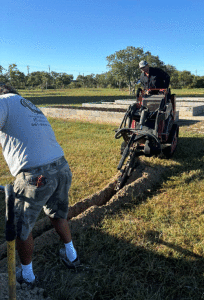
{"points": [[147, 92]]}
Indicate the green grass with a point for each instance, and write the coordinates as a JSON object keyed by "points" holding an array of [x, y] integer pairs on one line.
{"points": [[74, 96], [152, 248], [92, 153], [74, 92], [102, 92], [84, 95], [188, 92]]}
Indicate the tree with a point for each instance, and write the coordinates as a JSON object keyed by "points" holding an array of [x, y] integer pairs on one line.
{"points": [[46, 80], [174, 80], [124, 64], [3, 77], [16, 78], [35, 79], [185, 79], [169, 69], [87, 81], [101, 80], [63, 79], [199, 82], [174, 76]]}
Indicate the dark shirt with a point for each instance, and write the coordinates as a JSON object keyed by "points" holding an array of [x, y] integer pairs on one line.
{"points": [[158, 79]]}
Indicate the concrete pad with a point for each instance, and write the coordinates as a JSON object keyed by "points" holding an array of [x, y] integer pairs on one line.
{"points": [[187, 103], [200, 99], [103, 105], [84, 115], [186, 108], [125, 101], [191, 110]]}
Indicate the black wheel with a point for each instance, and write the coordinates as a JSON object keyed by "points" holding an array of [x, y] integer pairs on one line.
{"points": [[173, 140]]}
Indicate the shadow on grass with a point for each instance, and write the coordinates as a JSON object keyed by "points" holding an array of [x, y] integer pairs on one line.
{"points": [[186, 122], [114, 268], [57, 100], [189, 153]]}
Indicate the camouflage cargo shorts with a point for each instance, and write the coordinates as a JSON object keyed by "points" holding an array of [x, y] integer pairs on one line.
{"points": [[42, 187]]}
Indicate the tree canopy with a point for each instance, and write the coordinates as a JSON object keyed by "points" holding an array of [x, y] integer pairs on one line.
{"points": [[123, 71], [124, 64]]}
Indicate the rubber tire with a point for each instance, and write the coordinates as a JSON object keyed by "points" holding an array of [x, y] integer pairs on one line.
{"points": [[173, 140]]}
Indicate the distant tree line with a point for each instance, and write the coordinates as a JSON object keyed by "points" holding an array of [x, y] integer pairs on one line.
{"points": [[123, 72]]}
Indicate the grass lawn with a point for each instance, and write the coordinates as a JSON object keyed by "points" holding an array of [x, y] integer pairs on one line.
{"points": [[92, 153], [83, 95], [74, 96], [151, 248]]}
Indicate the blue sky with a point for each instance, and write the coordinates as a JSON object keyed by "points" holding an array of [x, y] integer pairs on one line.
{"points": [[76, 36]]}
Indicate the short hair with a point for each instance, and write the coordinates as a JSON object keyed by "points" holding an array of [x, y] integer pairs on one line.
{"points": [[6, 89]]}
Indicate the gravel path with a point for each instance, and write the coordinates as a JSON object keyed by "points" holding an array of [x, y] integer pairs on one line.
{"points": [[22, 291]]}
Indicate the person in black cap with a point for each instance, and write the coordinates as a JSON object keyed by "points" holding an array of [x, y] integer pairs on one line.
{"points": [[153, 78]]}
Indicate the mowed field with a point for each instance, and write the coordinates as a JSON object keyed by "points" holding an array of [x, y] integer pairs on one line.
{"points": [[152, 248], [84, 95]]}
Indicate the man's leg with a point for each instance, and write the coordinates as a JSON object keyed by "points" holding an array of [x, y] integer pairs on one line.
{"points": [[62, 228], [25, 249]]}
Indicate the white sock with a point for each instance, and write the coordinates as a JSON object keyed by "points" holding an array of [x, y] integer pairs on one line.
{"points": [[70, 251], [27, 272]]}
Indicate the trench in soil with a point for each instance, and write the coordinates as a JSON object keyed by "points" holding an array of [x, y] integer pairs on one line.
{"points": [[91, 210]]}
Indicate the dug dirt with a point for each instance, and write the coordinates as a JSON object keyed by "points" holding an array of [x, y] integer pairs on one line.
{"points": [[84, 214]]}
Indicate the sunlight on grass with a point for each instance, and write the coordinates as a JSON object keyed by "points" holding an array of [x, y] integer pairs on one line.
{"points": [[91, 151], [103, 92], [74, 92]]}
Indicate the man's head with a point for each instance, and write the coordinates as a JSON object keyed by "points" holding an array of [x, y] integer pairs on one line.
{"points": [[144, 67], [6, 89]]}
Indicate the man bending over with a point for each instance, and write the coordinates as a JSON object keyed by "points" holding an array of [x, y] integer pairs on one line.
{"points": [[42, 176]]}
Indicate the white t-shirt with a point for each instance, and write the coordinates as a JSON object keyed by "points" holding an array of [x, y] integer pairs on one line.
{"points": [[26, 137]]}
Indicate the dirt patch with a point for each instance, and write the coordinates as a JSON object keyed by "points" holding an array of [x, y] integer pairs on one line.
{"points": [[93, 209], [99, 198], [95, 214], [84, 214], [22, 292]]}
